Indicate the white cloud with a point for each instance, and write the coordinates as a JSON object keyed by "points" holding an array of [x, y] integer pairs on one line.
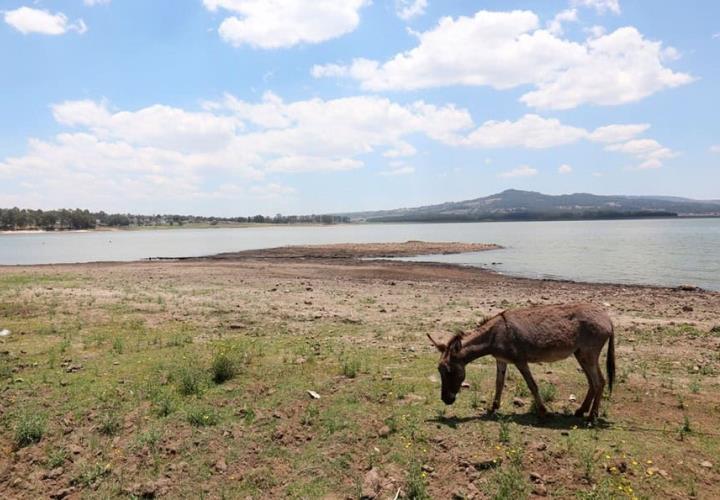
{"points": [[609, 69], [566, 16], [106, 157], [530, 131], [272, 190], [600, 6], [716, 35], [27, 20], [407, 9], [649, 152], [715, 148], [92, 3], [618, 133], [565, 169], [273, 24], [522, 171], [398, 169]]}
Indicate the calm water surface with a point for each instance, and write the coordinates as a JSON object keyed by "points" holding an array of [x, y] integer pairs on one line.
{"points": [[659, 252]]}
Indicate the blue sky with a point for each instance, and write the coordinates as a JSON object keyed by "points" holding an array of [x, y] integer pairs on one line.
{"points": [[237, 107]]}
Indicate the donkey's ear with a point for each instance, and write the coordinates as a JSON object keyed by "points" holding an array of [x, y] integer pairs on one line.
{"points": [[455, 346], [439, 346]]}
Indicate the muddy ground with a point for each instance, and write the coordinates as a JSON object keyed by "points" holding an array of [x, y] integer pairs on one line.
{"points": [[190, 379]]}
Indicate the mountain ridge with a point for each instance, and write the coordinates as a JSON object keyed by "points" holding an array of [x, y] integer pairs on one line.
{"points": [[515, 204]]}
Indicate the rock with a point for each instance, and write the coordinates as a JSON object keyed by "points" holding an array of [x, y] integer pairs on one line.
{"points": [[74, 449], [221, 466], [536, 478], [539, 490], [151, 489], [517, 402], [687, 309], [313, 394], [62, 493], [4, 332], [427, 468], [370, 485], [539, 446], [465, 385], [572, 398], [384, 431], [53, 474], [706, 464]]}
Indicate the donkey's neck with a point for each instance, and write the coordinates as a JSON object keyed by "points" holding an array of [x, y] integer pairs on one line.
{"points": [[479, 343]]}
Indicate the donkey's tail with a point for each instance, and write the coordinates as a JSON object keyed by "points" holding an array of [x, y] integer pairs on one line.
{"points": [[611, 361]]}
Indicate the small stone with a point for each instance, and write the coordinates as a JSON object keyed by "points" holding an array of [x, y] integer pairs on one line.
{"points": [[62, 493], [221, 466], [427, 468], [313, 394], [706, 464], [54, 473], [539, 490], [572, 398], [371, 485], [384, 431], [517, 402], [539, 446], [687, 308], [74, 449], [465, 385], [536, 478]]}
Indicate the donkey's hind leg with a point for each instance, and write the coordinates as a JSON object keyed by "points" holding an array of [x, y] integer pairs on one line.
{"points": [[586, 365], [599, 381]]}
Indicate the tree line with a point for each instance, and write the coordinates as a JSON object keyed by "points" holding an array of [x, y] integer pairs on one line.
{"points": [[14, 219]]}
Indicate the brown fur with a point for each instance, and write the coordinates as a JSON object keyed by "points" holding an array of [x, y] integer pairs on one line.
{"points": [[534, 335]]}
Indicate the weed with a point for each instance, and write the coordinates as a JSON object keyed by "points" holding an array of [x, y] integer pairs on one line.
{"points": [[548, 392], [164, 405], [190, 381], [109, 424], [511, 484], [90, 474], [149, 438], [350, 368], [56, 458], [415, 486], [202, 416], [694, 387], [29, 428], [118, 346], [504, 431]]}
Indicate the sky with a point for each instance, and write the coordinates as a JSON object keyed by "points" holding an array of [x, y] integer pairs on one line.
{"points": [[240, 107]]}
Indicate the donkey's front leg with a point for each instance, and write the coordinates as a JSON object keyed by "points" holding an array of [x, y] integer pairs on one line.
{"points": [[525, 370], [499, 384]]}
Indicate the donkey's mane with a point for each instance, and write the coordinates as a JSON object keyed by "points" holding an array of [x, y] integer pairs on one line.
{"points": [[462, 334]]}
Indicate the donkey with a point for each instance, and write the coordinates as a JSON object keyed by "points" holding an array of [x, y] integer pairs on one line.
{"points": [[534, 335]]}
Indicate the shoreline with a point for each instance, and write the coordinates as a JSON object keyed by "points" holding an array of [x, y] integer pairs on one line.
{"points": [[386, 255]]}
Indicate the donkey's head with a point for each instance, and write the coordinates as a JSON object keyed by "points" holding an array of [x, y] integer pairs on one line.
{"points": [[451, 368]]}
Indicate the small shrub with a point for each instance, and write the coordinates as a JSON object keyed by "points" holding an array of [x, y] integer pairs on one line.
{"points": [[223, 368], [149, 438], [190, 381], [350, 368], [109, 424], [202, 416], [29, 429], [504, 431]]}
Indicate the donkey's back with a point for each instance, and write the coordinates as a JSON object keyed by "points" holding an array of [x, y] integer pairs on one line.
{"points": [[551, 333]]}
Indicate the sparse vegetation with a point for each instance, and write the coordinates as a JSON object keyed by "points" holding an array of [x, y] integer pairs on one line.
{"points": [[124, 392]]}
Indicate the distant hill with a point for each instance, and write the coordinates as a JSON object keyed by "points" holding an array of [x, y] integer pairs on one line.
{"points": [[514, 204]]}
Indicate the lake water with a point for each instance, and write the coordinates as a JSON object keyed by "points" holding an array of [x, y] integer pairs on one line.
{"points": [[657, 252]]}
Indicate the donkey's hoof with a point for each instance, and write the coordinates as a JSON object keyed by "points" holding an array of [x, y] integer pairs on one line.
{"points": [[580, 412], [542, 412], [592, 418]]}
